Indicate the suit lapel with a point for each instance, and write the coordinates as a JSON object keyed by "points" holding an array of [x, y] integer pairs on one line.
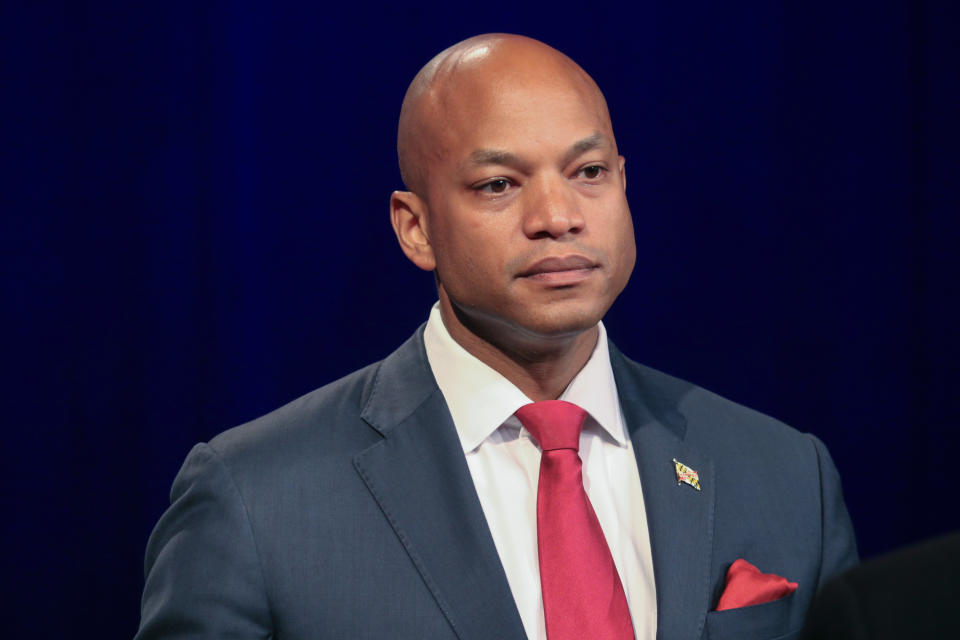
{"points": [[419, 476], [680, 518]]}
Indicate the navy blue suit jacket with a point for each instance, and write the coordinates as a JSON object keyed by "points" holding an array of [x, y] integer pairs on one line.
{"points": [[351, 513]]}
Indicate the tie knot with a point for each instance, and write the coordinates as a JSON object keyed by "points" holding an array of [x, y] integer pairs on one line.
{"points": [[554, 424]]}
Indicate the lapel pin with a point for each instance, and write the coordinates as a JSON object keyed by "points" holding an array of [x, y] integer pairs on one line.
{"points": [[686, 475]]}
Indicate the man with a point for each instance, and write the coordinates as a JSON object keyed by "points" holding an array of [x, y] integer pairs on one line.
{"points": [[411, 499]]}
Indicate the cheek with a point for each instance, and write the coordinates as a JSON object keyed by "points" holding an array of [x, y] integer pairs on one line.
{"points": [[628, 239], [465, 254], [479, 242], [624, 244]]}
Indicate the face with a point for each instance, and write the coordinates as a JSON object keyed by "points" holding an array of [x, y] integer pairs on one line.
{"points": [[526, 214]]}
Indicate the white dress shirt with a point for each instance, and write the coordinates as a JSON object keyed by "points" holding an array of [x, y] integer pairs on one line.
{"points": [[505, 465]]}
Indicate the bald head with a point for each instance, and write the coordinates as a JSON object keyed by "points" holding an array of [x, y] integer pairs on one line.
{"points": [[461, 81]]}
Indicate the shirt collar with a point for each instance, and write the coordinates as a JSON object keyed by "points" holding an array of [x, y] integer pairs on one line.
{"points": [[480, 400]]}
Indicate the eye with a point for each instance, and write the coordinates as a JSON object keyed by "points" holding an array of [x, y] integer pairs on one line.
{"points": [[496, 186], [592, 172]]}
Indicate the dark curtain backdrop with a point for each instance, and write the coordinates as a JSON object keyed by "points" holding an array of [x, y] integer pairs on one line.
{"points": [[194, 231]]}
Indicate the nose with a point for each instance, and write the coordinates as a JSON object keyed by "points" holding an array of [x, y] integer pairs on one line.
{"points": [[552, 209]]}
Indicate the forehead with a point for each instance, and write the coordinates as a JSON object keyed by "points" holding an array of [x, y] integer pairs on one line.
{"points": [[524, 109]]}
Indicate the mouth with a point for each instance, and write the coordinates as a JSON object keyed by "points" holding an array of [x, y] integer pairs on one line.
{"points": [[564, 271]]}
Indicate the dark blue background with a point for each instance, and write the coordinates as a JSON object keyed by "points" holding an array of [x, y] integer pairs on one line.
{"points": [[194, 231]]}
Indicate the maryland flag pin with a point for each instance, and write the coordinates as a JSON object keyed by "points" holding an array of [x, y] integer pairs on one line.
{"points": [[686, 475]]}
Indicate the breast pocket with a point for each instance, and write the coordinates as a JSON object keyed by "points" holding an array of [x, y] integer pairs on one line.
{"points": [[768, 621]]}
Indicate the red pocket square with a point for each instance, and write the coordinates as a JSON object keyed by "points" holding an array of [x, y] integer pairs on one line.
{"points": [[746, 586]]}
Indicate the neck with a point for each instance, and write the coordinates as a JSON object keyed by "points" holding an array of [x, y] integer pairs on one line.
{"points": [[540, 366]]}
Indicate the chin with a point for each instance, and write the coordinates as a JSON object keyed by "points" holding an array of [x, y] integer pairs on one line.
{"points": [[561, 321], [529, 321]]}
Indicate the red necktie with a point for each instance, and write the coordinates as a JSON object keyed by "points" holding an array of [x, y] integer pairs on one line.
{"points": [[582, 594]]}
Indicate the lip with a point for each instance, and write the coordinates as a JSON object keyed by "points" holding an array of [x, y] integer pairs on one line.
{"points": [[560, 271]]}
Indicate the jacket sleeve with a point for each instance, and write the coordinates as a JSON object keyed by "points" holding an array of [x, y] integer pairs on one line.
{"points": [[838, 544], [203, 574]]}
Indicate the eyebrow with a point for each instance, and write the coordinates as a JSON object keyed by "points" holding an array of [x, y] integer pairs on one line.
{"points": [[507, 158], [494, 156], [591, 142]]}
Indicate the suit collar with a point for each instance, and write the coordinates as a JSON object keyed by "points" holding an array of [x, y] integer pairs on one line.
{"points": [[651, 397], [419, 476], [680, 519], [401, 384]]}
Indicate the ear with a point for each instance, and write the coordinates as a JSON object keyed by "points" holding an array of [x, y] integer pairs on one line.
{"points": [[408, 216], [623, 172]]}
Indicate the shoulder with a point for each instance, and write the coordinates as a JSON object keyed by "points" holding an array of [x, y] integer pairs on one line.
{"points": [[312, 439], [698, 415], [753, 455], [779, 502], [317, 435], [329, 413]]}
